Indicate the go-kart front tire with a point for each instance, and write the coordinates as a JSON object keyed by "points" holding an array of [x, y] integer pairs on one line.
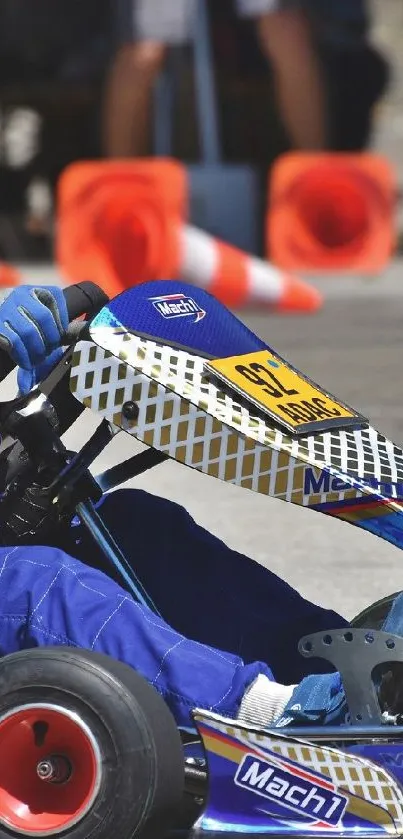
{"points": [[88, 749]]}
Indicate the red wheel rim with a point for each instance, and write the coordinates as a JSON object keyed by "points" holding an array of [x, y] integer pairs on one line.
{"points": [[30, 735]]}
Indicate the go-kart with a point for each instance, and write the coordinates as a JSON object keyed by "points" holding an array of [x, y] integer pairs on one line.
{"points": [[87, 747]]}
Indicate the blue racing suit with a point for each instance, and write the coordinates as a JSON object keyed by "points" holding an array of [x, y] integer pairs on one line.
{"points": [[232, 618], [225, 618]]}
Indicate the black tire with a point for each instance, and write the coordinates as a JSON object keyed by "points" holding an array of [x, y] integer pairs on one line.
{"points": [[374, 616], [138, 746]]}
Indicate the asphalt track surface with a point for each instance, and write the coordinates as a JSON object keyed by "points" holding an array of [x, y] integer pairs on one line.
{"points": [[354, 347]]}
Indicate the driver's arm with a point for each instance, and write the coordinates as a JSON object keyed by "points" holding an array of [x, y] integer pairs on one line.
{"points": [[33, 321]]}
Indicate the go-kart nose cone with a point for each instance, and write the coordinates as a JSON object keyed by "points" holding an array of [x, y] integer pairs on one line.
{"points": [[180, 315]]}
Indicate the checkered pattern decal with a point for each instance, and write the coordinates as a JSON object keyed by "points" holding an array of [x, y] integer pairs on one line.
{"points": [[349, 773], [189, 418], [357, 776]]}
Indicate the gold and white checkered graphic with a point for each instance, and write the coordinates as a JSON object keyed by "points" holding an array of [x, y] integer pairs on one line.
{"points": [[189, 418], [349, 773], [358, 776]]}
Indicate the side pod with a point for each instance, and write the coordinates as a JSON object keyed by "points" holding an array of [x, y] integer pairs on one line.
{"points": [[268, 782]]}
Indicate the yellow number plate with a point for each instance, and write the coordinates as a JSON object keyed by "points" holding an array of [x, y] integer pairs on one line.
{"points": [[284, 394]]}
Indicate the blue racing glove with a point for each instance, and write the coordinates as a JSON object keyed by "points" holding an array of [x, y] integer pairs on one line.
{"points": [[317, 700], [33, 321]]}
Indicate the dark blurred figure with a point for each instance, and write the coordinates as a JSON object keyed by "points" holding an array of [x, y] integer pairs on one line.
{"points": [[148, 27], [52, 54], [59, 39], [356, 73]]}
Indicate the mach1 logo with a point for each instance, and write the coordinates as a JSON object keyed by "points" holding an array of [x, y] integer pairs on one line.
{"points": [[317, 482], [291, 790], [177, 306]]}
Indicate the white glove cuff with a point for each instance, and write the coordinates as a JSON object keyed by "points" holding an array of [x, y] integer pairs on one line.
{"points": [[264, 702]]}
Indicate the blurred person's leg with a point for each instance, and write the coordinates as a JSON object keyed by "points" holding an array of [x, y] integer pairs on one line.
{"points": [[357, 73], [128, 98], [146, 28], [286, 39]]}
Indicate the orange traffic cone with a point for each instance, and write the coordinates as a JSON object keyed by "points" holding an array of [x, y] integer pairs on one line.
{"points": [[9, 276], [331, 212], [124, 223], [97, 230]]}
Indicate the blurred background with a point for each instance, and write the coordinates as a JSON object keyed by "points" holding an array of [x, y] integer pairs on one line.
{"points": [[88, 79]]}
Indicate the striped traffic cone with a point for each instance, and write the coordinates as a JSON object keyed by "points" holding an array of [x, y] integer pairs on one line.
{"points": [[238, 279]]}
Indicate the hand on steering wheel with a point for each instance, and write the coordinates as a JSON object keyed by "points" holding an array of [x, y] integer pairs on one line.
{"points": [[33, 321]]}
